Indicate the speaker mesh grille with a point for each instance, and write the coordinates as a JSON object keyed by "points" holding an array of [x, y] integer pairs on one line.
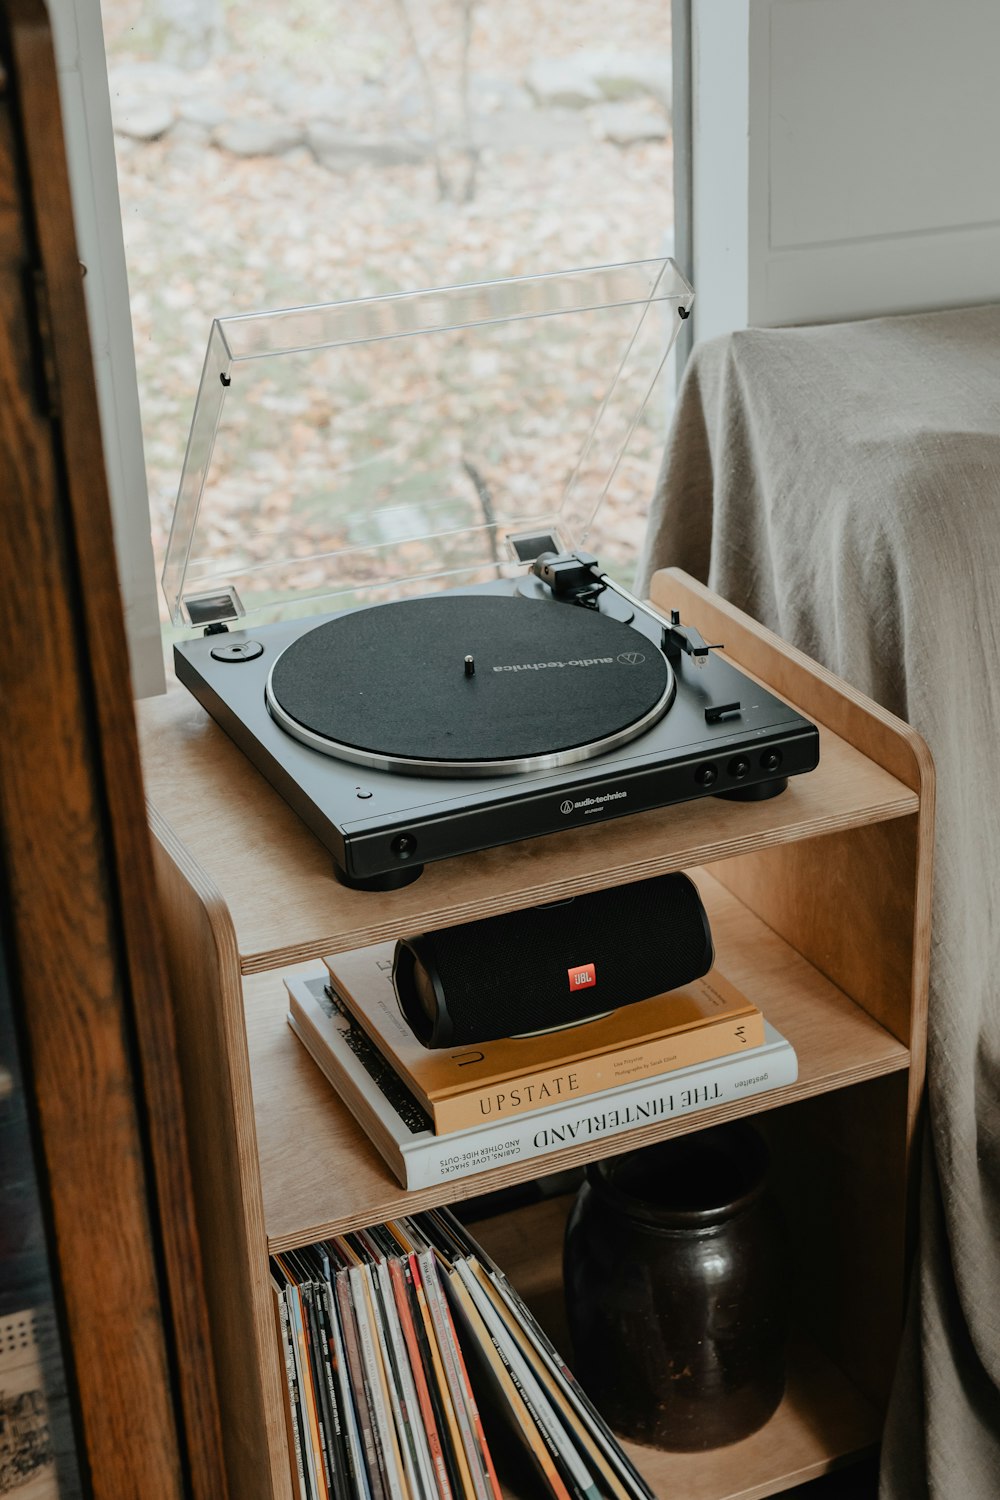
{"points": [[508, 974]]}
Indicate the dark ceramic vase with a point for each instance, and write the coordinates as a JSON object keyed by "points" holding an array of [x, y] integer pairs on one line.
{"points": [[673, 1274]]}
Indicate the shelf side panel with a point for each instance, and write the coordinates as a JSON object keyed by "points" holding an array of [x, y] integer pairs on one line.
{"points": [[205, 984], [846, 903], [859, 907], [839, 1168]]}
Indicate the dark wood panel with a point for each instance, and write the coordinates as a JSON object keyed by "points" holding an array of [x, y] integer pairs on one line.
{"points": [[86, 948]]}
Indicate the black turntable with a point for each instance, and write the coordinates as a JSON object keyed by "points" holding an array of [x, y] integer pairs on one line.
{"points": [[542, 697]]}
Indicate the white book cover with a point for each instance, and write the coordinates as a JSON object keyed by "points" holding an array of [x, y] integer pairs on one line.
{"points": [[401, 1129]]}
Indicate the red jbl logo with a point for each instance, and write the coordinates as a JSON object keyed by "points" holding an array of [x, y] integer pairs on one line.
{"points": [[582, 977]]}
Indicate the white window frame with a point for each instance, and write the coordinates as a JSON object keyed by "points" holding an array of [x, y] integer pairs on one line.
{"points": [[86, 109]]}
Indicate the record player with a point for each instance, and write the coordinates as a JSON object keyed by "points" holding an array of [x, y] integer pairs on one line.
{"points": [[395, 571]]}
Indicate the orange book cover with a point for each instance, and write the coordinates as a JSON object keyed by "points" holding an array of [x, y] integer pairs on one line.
{"points": [[468, 1086]]}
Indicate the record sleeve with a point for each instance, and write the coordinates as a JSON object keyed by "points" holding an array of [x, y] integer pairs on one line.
{"points": [[454, 1413], [428, 1418], [312, 1444], [356, 1466], [508, 1397], [377, 1382], [445, 1221], [361, 1400], [480, 1460], [293, 1409], [571, 1465], [423, 1481]]}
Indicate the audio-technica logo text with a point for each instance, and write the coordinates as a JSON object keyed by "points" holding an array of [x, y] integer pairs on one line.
{"points": [[543, 666], [591, 804]]}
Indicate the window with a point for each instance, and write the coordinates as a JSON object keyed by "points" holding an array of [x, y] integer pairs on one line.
{"points": [[270, 156]]}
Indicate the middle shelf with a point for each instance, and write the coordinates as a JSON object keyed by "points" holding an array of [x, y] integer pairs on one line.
{"points": [[321, 1175]]}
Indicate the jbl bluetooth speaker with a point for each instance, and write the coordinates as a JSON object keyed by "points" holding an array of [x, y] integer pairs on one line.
{"points": [[553, 965]]}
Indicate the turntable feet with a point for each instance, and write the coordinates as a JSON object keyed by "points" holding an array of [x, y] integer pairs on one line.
{"points": [[757, 793], [392, 880]]}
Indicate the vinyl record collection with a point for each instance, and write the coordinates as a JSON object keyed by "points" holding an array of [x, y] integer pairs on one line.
{"points": [[408, 1355]]}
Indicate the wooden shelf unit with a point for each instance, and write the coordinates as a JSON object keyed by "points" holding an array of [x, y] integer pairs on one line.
{"points": [[820, 905]]}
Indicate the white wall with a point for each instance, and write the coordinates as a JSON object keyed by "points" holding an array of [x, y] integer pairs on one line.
{"points": [[86, 111], [846, 158]]}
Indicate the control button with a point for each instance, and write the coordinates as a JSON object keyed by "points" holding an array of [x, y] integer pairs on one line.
{"points": [[238, 651], [706, 775], [362, 795], [771, 760], [739, 768], [404, 846]]}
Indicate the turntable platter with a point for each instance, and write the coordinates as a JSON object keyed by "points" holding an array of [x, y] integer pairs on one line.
{"points": [[469, 685]]}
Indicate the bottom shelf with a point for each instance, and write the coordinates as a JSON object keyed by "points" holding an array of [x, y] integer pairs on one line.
{"points": [[822, 1422]]}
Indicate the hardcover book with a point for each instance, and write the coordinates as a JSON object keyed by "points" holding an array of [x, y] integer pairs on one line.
{"points": [[462, 1088], [402, 1130]]}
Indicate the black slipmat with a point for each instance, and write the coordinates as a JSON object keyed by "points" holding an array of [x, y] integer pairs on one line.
{"points": [[392, 679]]}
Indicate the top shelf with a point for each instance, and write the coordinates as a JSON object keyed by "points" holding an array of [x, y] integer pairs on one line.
{"points": [[286, 905]]}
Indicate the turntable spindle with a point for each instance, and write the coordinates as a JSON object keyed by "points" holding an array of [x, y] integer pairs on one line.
{"points": [[470, 666]]}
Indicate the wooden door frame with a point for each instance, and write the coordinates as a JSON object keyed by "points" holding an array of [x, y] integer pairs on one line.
{"points": [[83, 924]]}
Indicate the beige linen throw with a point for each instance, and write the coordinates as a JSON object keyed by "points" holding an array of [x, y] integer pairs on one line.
{"points": [[842, 485]]}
